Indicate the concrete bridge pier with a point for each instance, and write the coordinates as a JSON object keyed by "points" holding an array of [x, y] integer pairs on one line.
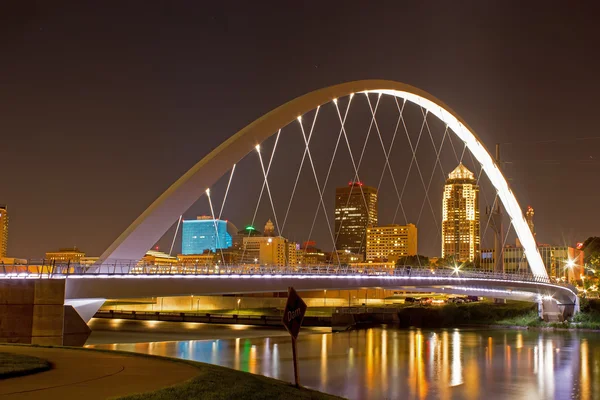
{"points": [[550, 310], [33, 311]]}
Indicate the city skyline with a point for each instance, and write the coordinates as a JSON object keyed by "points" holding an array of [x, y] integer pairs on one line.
{"points": [[228, 234]]}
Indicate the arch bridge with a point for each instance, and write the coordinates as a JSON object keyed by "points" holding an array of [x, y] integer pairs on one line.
{"points": [[86, 288]]}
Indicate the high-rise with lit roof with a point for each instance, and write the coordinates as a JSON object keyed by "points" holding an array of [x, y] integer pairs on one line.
{"points": [[355, 209], [3, 230], [460, 215]]}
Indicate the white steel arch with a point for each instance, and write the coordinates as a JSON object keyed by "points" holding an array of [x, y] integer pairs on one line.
{"points": [[133, 243]]}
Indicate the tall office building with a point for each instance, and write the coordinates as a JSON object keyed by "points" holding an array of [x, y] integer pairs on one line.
{"points": [[206, 233], [460, 215], [393, 241], [3, 230], [355, 209]]}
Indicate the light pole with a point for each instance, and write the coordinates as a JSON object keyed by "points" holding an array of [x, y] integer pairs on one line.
{"points": [[569, 267]]}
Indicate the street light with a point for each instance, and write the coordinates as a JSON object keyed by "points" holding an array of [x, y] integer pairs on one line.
{"points": [[570, 264]]}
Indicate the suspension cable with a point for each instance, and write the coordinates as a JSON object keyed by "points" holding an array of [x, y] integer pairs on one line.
{"points": [[175, 235], [212, 211], [226, 191], [386, 154], [329, 170], [354, 165], [300, 168], [257, 147], [435, 164], [262, 165], [414, 159], [317, 181]]}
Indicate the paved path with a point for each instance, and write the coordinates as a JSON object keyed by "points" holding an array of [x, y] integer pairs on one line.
{"points": [[83, 374]]}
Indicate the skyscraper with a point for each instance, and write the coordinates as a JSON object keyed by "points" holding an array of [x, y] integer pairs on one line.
{"points": [[355, 209], [460, 215], [206, 233], [3, 230]]}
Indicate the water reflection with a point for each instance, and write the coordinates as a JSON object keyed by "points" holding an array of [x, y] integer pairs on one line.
{"points": [[388, 363]]}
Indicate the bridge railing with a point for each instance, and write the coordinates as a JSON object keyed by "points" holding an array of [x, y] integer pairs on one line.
{"points": [[128, 268]]}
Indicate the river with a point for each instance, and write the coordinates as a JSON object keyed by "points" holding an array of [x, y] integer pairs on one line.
{"points": [[387, 363]]}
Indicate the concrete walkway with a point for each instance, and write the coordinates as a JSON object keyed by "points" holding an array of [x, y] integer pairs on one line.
{"points": [[83, 374]]}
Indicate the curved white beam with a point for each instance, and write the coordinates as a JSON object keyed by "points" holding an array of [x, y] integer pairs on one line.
{"points": [[141, 286], [156, 219]]}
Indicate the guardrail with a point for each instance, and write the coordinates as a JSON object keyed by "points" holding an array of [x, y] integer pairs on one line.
{"points": [[250, 319], [127, 268]]}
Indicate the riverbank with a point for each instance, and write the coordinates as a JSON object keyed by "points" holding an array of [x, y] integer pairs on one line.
{"points": [[215, 382], [117, 374], [454, 315], [583, 321], [258, 322]]}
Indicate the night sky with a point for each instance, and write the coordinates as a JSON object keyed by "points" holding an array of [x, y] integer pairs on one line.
{"points": [[104, 104]]}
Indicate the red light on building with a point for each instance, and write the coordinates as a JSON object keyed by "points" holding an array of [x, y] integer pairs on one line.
{"points": [[309, 244], [579, 246]]}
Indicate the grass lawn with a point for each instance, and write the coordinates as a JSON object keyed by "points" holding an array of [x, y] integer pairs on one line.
{"points": [[219, 383], [529, 319], [12, 365]]}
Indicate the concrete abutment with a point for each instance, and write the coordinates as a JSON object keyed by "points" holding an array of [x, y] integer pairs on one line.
{"points": [[33, 311]]}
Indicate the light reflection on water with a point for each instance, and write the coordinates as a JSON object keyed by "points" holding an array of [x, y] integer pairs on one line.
{"points": [[384, 363]]}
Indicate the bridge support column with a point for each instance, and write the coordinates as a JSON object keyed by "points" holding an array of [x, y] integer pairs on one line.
{"points": [[550, 311], [568, 310], [33, 311]]}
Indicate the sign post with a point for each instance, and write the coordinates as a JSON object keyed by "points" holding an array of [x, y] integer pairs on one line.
{"points": [[293, 314]]}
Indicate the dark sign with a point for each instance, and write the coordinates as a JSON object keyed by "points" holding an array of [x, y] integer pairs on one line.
{"points": [[293, 314]]}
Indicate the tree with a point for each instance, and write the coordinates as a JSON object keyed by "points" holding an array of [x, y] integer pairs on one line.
{"points": [[414, 261], [447, 261], [591, 250]]}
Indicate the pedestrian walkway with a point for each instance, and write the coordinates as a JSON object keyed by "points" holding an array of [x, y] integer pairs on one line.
{"points": [[90, 375]]}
